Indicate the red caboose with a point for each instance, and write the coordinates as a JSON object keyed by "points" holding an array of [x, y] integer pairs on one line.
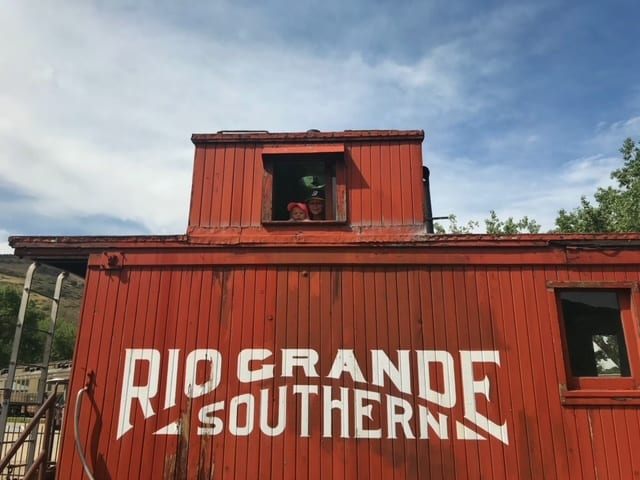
{"points": [[354, 345]]}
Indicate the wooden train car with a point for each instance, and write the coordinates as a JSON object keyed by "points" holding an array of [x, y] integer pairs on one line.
{"points": [[24, 391], [357, 345]]}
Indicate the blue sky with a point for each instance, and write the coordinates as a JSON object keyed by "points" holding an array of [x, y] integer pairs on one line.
{"points": [[524, 104]]}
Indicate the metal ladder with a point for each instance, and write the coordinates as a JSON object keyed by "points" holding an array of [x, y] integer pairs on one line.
{"points": [[43, 366]]}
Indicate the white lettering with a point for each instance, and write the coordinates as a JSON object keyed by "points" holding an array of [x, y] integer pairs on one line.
{"points": [[361, 410], [447, 398], [172, 378], [264, 412], [342, 405], [427, 420], [345, 361], [299, 357], [470, 388], [144, 392], [395, 417], [204, 417], [214, 359], [376, 414], [400, 376], [234, 405], [245, 357], [304, 391]]}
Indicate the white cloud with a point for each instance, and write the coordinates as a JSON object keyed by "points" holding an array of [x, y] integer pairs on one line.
{"points": [[99, 110], [470, 189], [4, 245], [608, 136], [590, 172], [98, 105], [522, 183]]}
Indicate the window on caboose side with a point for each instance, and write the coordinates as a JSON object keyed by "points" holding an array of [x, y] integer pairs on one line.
{"points": [[597, 323], [594, 333], [292, 174]]}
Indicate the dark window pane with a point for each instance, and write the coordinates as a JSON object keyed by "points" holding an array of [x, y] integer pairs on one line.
{"points": [[294, 180], [595, 337]]}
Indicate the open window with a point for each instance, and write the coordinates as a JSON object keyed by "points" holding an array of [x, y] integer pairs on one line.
{"points": [[598, 326], [296, 173]]}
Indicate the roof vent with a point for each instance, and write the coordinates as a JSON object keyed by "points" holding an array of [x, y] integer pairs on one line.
{"points": [[313, 130]]}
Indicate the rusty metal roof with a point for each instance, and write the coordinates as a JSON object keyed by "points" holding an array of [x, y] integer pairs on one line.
{"points": [[71, 253], [309, 136]]}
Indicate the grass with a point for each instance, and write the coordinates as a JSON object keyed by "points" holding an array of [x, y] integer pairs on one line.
{"points": [[19, 419], [13, 270]]}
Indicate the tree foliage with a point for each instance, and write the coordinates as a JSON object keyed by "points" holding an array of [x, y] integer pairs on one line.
{"points": [[616, 209], [32, 339], [64, 340], [454, 228], [493, 226], [607, 353], [36, 320]]}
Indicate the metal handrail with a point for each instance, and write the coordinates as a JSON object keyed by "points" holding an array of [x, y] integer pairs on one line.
{"points": [[47, 406], [76, 428], [36, 466]]}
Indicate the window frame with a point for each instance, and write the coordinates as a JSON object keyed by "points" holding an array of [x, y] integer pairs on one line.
{"points": [[338, 188], [598, 390]]}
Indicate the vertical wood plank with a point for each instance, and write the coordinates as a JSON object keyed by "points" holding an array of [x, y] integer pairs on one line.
{"points": [[371, 341], [334, 303], [466, 307], [417, 187], [201, 180], [235, 299], [149, 317], [385, 179], [280, 322], [255, 213], [133, 439], [393, 169], [241, 188], [249, 188], [355, 183], [88, 353], [375, 187], [226, 187], [271, 321], [303, 452], [290, 446], [501, 338], [365, 218]]}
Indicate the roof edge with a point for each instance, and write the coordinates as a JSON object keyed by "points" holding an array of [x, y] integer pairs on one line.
{"points": [[232, 136]]}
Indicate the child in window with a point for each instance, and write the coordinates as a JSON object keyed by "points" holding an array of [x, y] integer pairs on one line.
{"points": [[298, 212], [315, 205]]}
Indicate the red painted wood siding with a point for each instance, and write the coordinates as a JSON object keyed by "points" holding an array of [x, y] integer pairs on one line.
{"points": [[280, 302], [384, 185]]}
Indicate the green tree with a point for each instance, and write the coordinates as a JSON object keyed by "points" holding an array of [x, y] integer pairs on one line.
{"points": [[32, 339], [607, 353], [64, 340], [454, 228], [493, 226], [616, 209]]}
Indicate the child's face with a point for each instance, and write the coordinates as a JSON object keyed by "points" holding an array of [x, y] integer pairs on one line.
{"points": [[316, 206], [298, 214]]}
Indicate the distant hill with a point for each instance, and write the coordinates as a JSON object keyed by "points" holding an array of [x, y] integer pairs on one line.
{"points": [[13, 270]]}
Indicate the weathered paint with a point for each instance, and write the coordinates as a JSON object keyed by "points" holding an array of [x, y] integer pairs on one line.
{"points": [[383, 174], [515, 425], [367, 349]]}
